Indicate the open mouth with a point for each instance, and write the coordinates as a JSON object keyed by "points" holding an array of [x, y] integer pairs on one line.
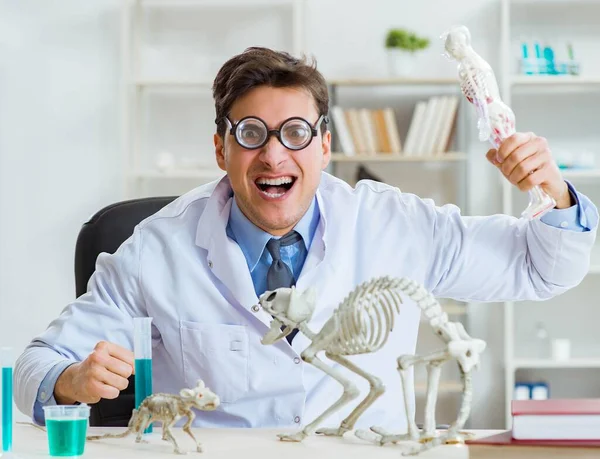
{"points": [[275, 188]]}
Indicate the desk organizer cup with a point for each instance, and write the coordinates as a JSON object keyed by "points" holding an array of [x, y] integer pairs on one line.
{"points": [[67, 428]]}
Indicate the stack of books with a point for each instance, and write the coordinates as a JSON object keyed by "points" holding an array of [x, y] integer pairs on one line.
{"points": [[568, 428], [363, 131]]}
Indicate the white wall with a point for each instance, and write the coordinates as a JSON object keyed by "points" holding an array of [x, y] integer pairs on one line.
{"points": [[60, 142], [59, 149]]}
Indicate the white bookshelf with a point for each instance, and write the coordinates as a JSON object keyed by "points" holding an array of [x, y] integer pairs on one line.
{"points": [[513, 87], [165, 62], [412, 168], [381, 92]]}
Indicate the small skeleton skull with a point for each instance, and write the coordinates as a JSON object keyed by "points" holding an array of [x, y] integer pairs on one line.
{"points": [[457, 41], [200, 397], [289, 308]]}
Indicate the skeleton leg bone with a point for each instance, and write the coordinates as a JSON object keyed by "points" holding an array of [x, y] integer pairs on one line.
{"points": [[167, 425], [434, 370], [186, 428], [144, 422], [349, 394], [405, 362], [377, 389], [453, 435]]}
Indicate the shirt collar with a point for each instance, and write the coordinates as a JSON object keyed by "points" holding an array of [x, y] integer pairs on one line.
{"points": [[252, 240]]}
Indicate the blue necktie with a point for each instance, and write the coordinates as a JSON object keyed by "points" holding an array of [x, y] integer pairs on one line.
{"points": [[279, 274]]}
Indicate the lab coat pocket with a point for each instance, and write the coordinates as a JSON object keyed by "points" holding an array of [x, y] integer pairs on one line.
{"points": [[217, 354]]}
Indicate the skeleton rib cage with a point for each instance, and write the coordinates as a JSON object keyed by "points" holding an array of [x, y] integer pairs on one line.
{"points": [[367, 315]]}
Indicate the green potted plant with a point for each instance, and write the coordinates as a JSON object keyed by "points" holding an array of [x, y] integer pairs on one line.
{"points": [[402, 46]]}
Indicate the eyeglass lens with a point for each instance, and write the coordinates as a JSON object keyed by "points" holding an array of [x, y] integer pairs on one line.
{"points": [[252, 133]]}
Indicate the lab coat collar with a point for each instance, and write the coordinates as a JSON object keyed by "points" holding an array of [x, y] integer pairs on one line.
{"points": [[227, 260]]}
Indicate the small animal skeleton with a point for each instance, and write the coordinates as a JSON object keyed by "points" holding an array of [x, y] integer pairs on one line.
{"points": [[169, 408], [361, 324]]}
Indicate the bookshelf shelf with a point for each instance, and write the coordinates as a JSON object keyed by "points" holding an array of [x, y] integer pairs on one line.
{"points": [[216, 3], [208, 174], [393, 81], [546, 363], [174, 83], [553, 80], [580, 173], [383, 157]]}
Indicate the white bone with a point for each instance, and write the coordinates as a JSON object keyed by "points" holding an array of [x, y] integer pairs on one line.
{"points": [[361, 324]]}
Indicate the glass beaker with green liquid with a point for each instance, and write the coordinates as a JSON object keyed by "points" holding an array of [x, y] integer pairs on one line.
{"points": [[66, 426]]}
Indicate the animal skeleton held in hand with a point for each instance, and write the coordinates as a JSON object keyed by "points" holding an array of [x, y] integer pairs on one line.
{"points": [[361, 324]]}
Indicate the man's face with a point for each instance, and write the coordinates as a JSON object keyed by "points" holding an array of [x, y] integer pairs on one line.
{"points": [[260, 178]]}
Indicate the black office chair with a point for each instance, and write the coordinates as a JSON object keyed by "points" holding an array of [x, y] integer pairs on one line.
{"points": [[105, 232]]}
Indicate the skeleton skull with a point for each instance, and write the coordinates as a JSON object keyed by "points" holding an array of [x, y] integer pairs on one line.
{"points": [[200, 397], [457, 41], [288, 307]]}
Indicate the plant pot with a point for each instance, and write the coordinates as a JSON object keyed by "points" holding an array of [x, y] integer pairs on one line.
{"points": [[401, 63]]}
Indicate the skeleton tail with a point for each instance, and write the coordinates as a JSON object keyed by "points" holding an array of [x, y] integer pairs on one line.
{"points": [[130, 428], [367, 314]]}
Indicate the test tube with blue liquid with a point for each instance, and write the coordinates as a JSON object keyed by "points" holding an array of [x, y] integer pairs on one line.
{"points": [[142, 348], [6, 359]]}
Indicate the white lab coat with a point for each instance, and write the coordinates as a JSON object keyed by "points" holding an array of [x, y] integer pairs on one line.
{"points": [[180, 268]]}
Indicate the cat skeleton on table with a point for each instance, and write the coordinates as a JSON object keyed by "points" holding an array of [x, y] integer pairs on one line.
{"points": [[361, 324]]}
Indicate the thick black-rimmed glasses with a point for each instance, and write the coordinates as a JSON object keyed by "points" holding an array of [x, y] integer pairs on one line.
{"points": [[295, 133]]}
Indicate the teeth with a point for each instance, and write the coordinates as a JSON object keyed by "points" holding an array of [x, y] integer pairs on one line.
{"points": [[273, 195], [274, 182]]}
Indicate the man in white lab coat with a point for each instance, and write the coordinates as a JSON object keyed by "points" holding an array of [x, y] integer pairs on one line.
{"points": [[198, 265]]}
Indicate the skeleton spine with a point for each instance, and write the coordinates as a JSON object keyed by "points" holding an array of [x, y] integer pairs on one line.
{"points": [[367, 315]]}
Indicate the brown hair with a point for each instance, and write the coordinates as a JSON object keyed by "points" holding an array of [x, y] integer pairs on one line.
{"points": [[265, 67]]}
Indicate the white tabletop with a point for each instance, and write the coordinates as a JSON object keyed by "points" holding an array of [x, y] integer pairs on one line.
{"points": [[30, 442]]}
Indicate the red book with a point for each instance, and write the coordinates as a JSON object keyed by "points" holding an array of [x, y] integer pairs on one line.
{"points": [[556, 419], [504, 446]]}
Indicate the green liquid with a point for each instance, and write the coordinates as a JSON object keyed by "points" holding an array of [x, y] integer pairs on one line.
{"points": [[143, 382], [66, 437], [7, 411]]}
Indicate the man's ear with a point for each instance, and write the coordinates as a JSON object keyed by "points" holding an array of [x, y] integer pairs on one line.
{"points": [[220, 151], [326, 146]]}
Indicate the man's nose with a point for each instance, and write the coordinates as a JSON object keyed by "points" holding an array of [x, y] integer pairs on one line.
{"points": [[273, 152]]}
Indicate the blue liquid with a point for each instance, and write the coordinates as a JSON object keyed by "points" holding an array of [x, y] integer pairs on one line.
{"points": [[143, 382], [66, 437], [7, 412]]}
